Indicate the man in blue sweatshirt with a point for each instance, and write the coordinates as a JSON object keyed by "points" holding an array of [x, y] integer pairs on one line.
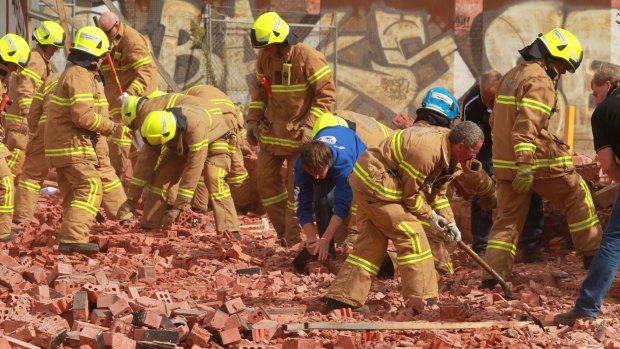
{"points": [[321, 186]]}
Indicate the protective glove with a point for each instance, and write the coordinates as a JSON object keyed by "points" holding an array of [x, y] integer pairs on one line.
{"points": [[127, 208], [488, 202], [438, 221], [169, 217], [523, 181], [453, 232], [122, 97], [252, 135]]}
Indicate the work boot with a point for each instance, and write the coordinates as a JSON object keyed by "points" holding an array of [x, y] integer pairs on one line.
{"points": [[488, 284], [199, 210], [236, 235], [534, 255], [431, 301], [332, 304], [570, 318], [18, 230], [84, 248], [8, 239], [587, 260]]}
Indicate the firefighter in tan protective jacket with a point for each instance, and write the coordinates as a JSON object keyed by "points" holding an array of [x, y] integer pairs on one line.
{"points": [[137, 75], [527, 157], [14, 55], [394, 185], [24, 85], [293, 86], [222, 142], [77, 117], [35, 169], [196, 144]]}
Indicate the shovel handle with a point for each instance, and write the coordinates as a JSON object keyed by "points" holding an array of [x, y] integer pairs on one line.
{"points": [[486, 267]]}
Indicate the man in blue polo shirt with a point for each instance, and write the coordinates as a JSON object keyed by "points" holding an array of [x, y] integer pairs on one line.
{"points": [[321, 186]]}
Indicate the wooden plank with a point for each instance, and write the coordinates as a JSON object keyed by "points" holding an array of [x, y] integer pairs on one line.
{"points": [[160, 68], [291, 310], [60, 8], [408, 325]]}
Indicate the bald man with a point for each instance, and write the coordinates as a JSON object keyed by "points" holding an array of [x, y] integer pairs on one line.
{"points": [[477, 107], [137, 75]]}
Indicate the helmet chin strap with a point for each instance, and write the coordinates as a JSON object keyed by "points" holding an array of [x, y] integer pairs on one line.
{"points": [[549, 69]]}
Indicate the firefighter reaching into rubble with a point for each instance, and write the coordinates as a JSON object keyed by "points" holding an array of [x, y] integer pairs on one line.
{"points": [[293, 86], [527, 157], [14, 56], [221, 144], [23, 86], [605, 130], [196, 144], [77, 118], [394, 184], [137, 75]]}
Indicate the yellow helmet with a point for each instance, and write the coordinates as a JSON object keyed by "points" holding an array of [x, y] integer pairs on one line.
{"points": [[159, 127], [91, 40], [129, 109], [564, 45], [14, 49], [327, 120], [49, 33], [269, 28]]}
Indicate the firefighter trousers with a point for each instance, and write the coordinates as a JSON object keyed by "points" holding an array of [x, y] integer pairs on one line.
{"points": [[224, 211], [30, 180], [119, 152], [238, 180], [569, 194], [441, 255], [379, 221], [200, 200], [278, 199], [6, 198], [16, 142]]}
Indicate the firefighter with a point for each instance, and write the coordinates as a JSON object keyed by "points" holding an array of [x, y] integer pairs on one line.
{"points": [[439, 108], [195, 145], [14, 56], [35, 170], [238, 178], [137, 75], [394, 184], [293, 86], [605, 129], [527, 157], [77, 117], [23, 86], [222, 141], [322, 192]]}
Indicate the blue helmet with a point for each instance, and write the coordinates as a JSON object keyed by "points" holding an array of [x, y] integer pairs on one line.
{"points": [[440, 100]]}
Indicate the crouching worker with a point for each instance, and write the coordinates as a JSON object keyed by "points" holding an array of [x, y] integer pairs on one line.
{"points": [[394, 184]]}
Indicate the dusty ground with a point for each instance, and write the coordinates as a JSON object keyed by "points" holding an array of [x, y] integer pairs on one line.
{"points": [[181, 277]]}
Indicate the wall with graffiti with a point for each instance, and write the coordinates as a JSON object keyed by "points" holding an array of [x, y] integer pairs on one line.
{"points": [[390, 53]]}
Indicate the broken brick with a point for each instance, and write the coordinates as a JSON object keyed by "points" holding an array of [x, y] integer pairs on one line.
{"points": [[234, 306], [199, 336], [264, 330], [230, 336]]}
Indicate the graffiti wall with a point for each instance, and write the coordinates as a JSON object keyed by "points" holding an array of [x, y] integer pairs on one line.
{"points": [[390, 53]]}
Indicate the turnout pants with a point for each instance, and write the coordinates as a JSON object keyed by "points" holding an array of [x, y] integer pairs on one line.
{"points": [[379, 221], [569, 194], [238, 180], [6, 198], [278, 200], [16, 142], [30, 180], [119, 152]]}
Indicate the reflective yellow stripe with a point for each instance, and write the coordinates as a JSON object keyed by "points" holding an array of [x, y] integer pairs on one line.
{"points": [[289, 88], [48, 88], [257, 105], [224, 101], [85, 206], [14, 157], [13, 117], [319, 74], [384, 129], [30, 186], [201, 180], [186, 193], [25, 101], [439, 204], [489, 188], [137, 182], [34, 76], [239, 179], [413, 236], [353, 210], [216, 111], [316, 112], [275, 199], [121, 142], [199, 146], [157, 191], [96, 123], [85, 97], [94, 189], [418, 204], [100, 102], [43, 119], [114, 184], [279, 141], [415, 258], [8, 196], [221, 195], [525, 147], [539, 163], [70, 151], [173, 100], [525, 102], [291, 205], [397, 151], [143, 61], [377, 187], [362, 263], [138, 86], [39, 96], [503, 246]]}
